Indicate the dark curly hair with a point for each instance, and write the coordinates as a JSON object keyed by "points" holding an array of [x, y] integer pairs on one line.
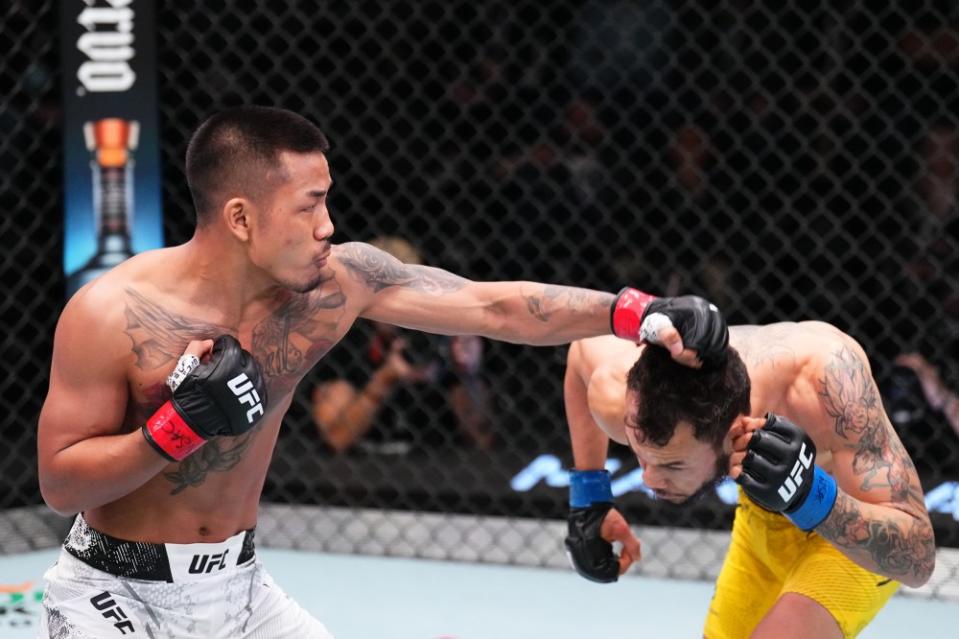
{"points": [[669, 393]]}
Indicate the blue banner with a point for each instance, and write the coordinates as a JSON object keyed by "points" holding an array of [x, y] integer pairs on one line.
{"points": [[112, 194]]}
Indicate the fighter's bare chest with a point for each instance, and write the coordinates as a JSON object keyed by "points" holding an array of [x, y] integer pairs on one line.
{"points": [[287, 341]]}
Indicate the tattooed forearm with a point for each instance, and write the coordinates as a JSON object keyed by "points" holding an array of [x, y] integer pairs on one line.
{"points": [[219, 455], [888, 542], [159, 336], [539, 305], [379, 270], [565, 298]]}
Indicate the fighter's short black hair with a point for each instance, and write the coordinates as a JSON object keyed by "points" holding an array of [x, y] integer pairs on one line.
{"points": [[236, 152]]}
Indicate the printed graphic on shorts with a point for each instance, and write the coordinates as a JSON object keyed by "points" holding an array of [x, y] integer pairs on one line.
{"points": [[108, 607]]}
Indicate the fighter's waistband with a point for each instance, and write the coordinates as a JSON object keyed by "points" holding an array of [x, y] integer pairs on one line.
{"points": [[157, 562]]}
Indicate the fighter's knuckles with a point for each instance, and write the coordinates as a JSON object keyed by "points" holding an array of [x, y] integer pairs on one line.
{"points": [[199, 347]]}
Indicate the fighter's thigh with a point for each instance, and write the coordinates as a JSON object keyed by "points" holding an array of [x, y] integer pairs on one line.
{"points": [[745, 589], [273, 614], [796, 616], [80, 602], [104, 613], [851, 594]]}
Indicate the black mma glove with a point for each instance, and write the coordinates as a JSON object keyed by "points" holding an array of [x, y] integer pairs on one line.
{"points": [[590, 498], [639, 316], [225, 395], [780, 473]]}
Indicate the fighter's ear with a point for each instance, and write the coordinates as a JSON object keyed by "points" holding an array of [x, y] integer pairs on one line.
{"points": [[737, 429], [236, 214]]}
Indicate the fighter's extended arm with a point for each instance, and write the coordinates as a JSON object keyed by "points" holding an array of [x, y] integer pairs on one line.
{"points": [[593, 520], [437, 301], [589, 443]]}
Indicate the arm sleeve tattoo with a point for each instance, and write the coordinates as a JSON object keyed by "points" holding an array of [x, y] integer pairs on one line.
{"points": [[881, 522]]}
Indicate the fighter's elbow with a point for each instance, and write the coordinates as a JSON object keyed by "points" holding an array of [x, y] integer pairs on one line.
{"points": [[500, 322], [916, 580], [922, 564], [59, 501], [922, 573]]}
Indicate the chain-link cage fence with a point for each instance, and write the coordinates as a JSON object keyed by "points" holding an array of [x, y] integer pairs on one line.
{"points": [[786, 160]]}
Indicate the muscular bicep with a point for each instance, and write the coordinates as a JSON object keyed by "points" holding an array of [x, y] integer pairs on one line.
{"points": [[871, 463], [88, 389]]}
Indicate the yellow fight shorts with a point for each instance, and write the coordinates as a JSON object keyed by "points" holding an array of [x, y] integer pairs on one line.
{"points": [[768, 557]]}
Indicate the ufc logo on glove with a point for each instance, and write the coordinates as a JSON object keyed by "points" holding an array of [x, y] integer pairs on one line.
{"points": [[242, 387], [209, 400], [794, 480]]}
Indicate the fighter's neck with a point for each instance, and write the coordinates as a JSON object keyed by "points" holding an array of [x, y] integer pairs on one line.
{"points": [[206, 275]]}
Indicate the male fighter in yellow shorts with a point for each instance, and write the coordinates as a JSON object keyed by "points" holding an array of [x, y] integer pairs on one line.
{"points": [[831, 516]]}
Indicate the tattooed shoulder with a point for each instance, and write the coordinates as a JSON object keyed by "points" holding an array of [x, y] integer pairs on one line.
{"points": [[851, 400], [764, 345], [379, 270], [848, 394]]}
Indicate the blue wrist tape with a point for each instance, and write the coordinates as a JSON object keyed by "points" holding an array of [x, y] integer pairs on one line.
{"points": [[587, 487], [818, 503]]}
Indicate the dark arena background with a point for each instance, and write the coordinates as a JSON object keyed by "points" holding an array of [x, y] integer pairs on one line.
{"points": [[788, 161]]}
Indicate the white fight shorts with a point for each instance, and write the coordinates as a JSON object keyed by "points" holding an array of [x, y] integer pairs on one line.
{"points": [[104, 587]]}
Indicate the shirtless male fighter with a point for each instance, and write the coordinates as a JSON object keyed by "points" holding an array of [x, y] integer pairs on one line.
{"points": [[831, 516], [167, 487]]}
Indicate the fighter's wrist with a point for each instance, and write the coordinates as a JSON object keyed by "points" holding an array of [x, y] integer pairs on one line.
{"points": [[169, 434], [815, 507], [588, 487], [626, 312]]}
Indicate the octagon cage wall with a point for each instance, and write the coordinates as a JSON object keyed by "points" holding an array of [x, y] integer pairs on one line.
{"points": [[788, 161]]}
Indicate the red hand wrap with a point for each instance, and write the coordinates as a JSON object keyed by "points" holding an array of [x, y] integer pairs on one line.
{"points": [[627, 314], [170, 435]]}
